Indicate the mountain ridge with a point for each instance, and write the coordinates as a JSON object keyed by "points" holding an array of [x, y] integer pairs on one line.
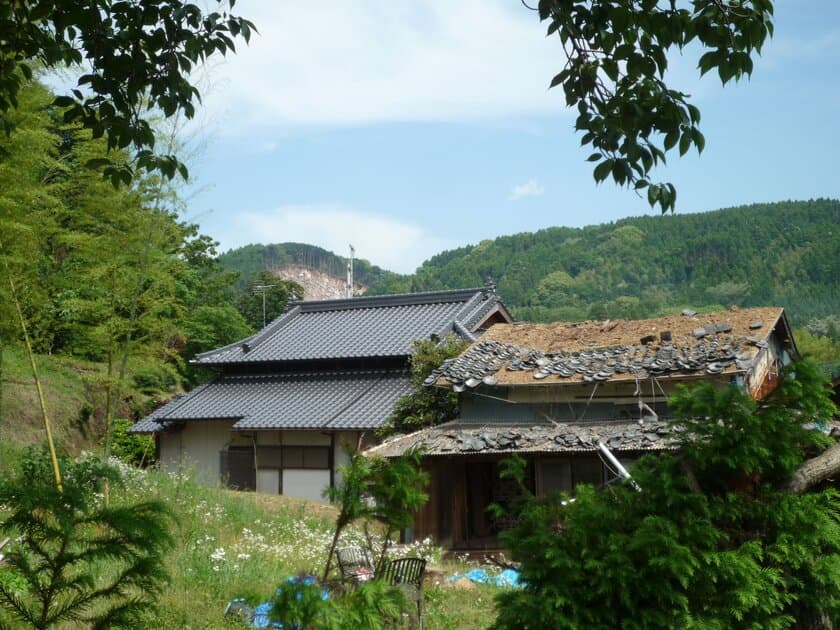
{"points": [[785, 253]]}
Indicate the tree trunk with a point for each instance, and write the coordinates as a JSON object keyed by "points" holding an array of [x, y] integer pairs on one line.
{"points": [[824, 466], [813, 620]]}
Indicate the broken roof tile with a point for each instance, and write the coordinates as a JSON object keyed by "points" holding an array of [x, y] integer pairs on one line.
{"points": [[519, 354], [560, 437]]}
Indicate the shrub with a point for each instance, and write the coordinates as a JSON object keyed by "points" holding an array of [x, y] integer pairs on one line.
{"points": [[131, 448], [713, 539], [83, 562]]}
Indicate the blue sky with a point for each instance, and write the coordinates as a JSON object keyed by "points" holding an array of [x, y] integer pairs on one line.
{"points": [[406, 130]]}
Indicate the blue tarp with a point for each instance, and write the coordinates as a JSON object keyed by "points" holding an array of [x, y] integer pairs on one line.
{"points": [[260, 617], [507, 578]]}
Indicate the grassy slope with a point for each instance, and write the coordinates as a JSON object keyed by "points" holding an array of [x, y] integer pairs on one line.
{"points": [[231, 544], [67, 386]]}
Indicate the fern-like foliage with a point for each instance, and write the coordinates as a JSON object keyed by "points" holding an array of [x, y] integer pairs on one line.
{"points": [[84, 562]]}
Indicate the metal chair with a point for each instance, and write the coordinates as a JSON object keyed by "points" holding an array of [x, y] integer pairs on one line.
{"points": [[354, 563], [406, 574]]}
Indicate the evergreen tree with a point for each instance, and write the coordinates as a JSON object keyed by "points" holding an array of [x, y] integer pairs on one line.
{"points": [[714, 538], [82, 562]]}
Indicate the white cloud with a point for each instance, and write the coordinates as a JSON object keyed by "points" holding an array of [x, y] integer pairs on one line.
{"points": [[531, 188], [385, 242], [340, 63]]}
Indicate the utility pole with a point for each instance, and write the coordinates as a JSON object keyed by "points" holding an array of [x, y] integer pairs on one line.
{"points": [[262, 289], [350, 272]]}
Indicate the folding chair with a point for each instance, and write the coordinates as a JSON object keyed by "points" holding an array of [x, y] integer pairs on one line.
{"points": [[407, 574], [354, 563]]}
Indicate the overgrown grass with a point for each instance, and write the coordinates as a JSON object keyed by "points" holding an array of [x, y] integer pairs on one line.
{"points": [[66, 389], [231, 544]]}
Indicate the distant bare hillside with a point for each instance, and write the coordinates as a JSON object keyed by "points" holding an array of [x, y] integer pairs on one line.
{"points": [[317, 285], [252, 259]]}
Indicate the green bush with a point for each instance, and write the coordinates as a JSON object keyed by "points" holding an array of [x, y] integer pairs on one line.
{"points": [[138, 450], [712, 540]]}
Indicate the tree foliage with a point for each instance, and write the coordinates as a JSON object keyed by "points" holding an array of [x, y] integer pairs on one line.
{"points": [[82, 562], [616, 62], [137, 58], [821, 343], [103, 273], [387, 491], [426, 406], [712, 539]]}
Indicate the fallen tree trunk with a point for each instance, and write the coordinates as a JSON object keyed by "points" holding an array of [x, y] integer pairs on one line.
{"points": [[824, 466]]}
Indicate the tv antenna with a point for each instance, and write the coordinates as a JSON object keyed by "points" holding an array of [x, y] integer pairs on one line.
{"points": [[262, 289]]}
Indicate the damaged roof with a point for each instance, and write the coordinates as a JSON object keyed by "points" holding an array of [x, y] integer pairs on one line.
{"points": [[471, 439], [361, 327], [337, 400], [674, 346]]}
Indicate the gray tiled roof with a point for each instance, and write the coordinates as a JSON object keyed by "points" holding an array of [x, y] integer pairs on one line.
{"points": [[379, 326], [468, 439], [684, 346], [156, 421], [318, 400]]}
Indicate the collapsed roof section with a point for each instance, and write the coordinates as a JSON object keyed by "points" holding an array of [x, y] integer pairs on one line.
{"points": [[468, 439]]}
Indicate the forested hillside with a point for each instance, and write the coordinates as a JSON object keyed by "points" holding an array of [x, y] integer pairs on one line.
{"points": [[115, 291], [784, 254]]}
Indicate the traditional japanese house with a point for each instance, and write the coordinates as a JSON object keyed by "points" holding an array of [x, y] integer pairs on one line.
{"points": [[552, 392], [323, 376]]}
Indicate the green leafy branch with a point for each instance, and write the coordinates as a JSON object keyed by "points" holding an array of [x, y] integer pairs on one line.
{"points": [[616, 61]]}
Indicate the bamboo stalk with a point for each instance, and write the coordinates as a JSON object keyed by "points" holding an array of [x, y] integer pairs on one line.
{"points": [[38, 388]]}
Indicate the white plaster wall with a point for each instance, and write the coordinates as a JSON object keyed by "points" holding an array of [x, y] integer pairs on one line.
{"points": [[196, 448], [170, 451], [305, 438], [306, 484], [343, 439], [268, 438], [268, 480]]}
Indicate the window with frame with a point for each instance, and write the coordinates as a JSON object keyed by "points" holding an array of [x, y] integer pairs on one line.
{"points": [[564, 475], [306, 457]]}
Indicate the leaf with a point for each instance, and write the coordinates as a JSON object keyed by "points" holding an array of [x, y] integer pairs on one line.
{"points": [[685, 142], [699, 140], [97, 163], [693, 113], [602, 170], [708, 61]]}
